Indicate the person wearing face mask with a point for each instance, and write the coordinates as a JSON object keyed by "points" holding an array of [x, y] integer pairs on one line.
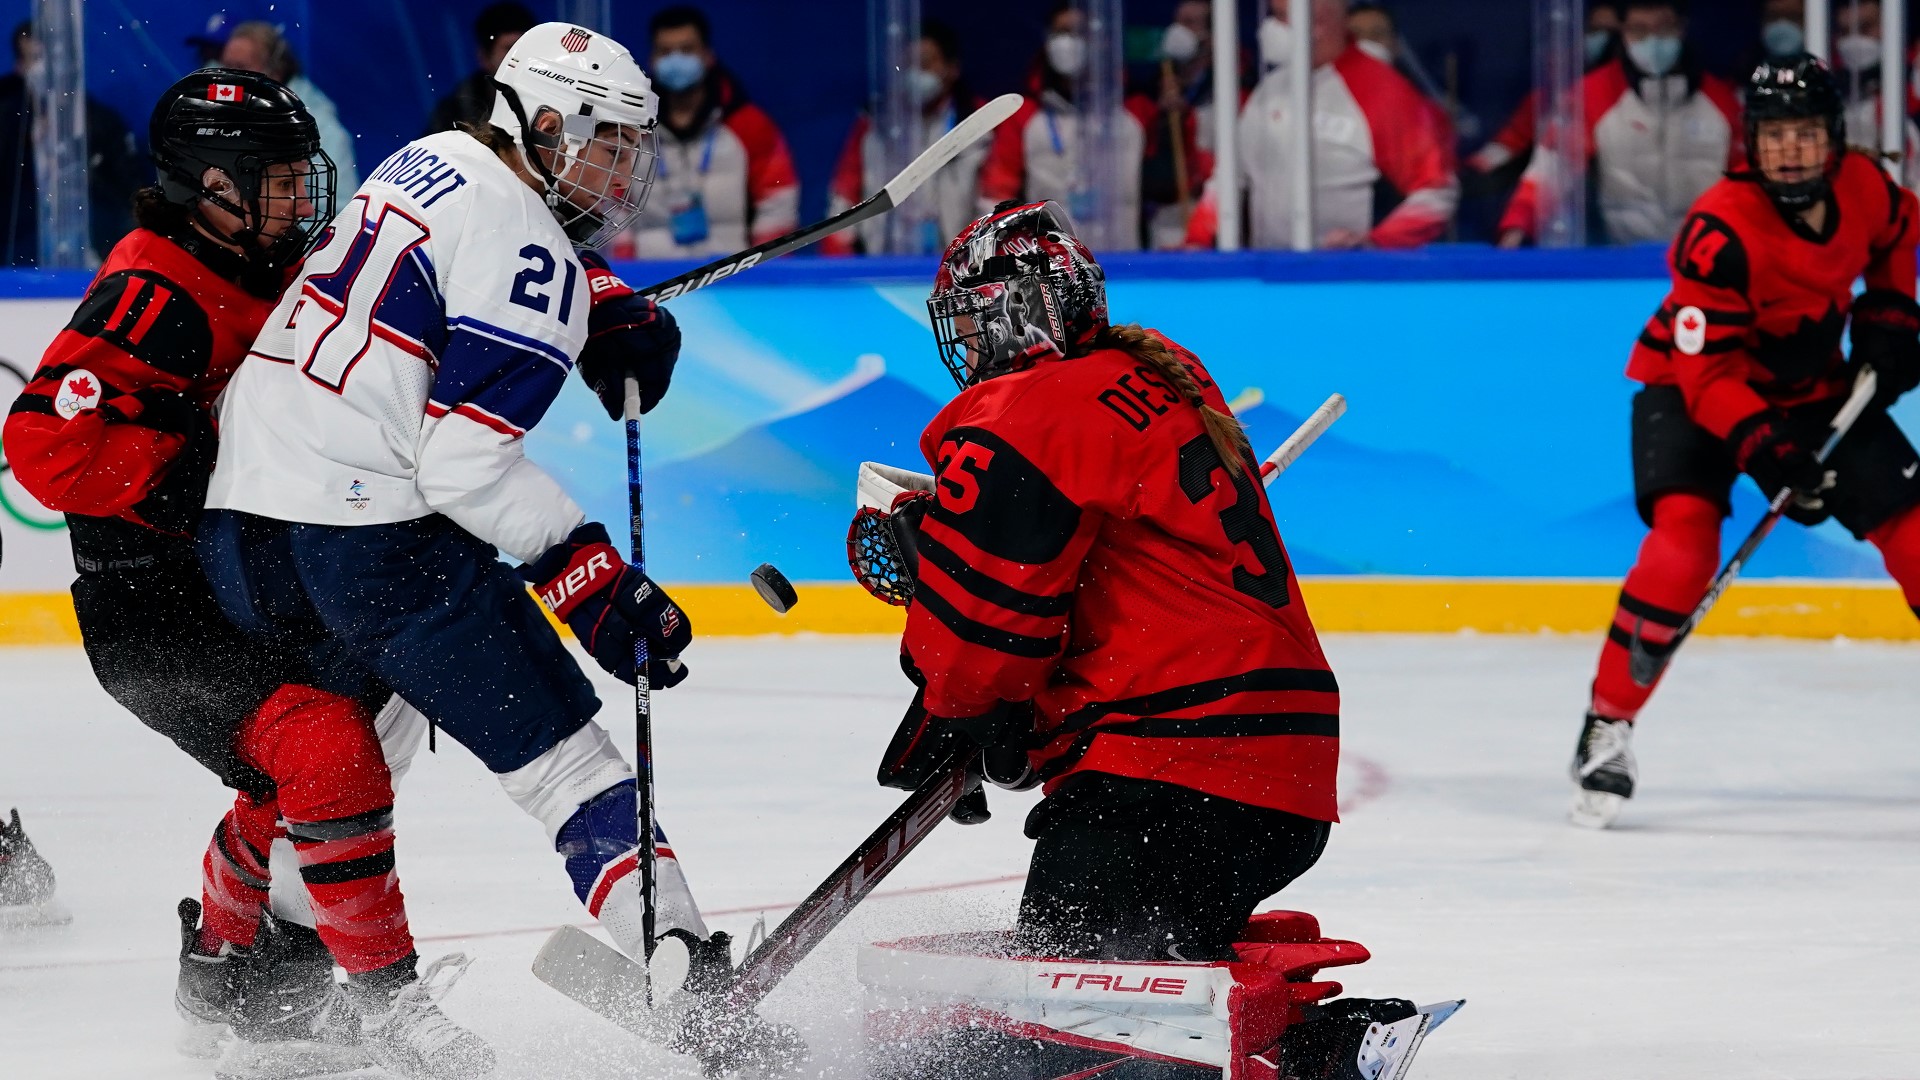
{"points": [[1782, 28], [1856, 47], [725, 180], [1179, 124], [1036, 155], [946, 203], [1658, 132], [1372, 129], [114, 166], [1514, 142]]}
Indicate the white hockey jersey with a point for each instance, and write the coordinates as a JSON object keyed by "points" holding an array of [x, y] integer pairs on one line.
{"points": [[431, 328]]}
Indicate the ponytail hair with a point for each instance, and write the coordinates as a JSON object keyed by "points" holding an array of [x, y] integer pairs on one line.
{"points": [[1228, 437]]}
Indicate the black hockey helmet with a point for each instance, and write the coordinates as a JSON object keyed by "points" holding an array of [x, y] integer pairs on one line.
{"points": [[241, 123], [1015, 286], [1796, 88]]}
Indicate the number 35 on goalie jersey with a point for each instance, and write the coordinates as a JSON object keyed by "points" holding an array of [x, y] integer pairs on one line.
{"points": [[1089, 550], [432, 327]]}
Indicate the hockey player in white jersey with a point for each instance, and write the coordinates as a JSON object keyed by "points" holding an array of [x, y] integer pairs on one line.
{"points": [[372, 464]]}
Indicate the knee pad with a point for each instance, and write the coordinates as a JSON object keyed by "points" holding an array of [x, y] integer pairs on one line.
{"points": [[322, 753], [553, 786], [600, 832]]}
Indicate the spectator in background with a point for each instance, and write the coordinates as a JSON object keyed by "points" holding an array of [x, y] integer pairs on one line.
{"points": [[260, 47], [725, 180], [1179, 125], [1782, 30], [1513, 144], [1038, 154], [1856, 47], [115, 167], [1370, 127], [1376, 34], [942, 208], [1658, 132], [494, 32]]}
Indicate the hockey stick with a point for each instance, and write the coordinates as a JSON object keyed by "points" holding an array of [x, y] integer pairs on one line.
{"points": [[919, 171], [647, 856], [1647, 662], [599, 977]]}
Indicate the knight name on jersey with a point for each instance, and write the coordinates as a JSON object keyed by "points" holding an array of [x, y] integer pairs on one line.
{"points": [[420, 173]]}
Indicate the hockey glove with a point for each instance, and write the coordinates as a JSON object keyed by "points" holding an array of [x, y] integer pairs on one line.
{"points": [[608, 604], [1886, 337], [628, 336], [883, 547], [1765, 447]]}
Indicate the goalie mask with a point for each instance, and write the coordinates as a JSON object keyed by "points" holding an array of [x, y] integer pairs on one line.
{"points": [[599, 167], [1014, 288]]}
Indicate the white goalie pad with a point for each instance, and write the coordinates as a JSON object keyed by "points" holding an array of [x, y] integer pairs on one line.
{"points": [[1227, 1015], [880, 484]]}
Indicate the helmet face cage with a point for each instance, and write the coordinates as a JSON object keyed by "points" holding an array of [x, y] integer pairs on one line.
{"points": [[316, 182], [601, 176], [1014, 287], [1798, 88]]}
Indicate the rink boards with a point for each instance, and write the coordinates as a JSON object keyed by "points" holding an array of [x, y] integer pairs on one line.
{"points": [[1479, 482]]}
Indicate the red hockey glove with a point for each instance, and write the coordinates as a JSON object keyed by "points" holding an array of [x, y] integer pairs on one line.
{"points": [[1886, 337], [1766, 448], [628, 336], [607, 604]]}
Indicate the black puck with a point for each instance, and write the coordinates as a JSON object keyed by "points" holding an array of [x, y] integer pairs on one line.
{"points": [[774, 588]]}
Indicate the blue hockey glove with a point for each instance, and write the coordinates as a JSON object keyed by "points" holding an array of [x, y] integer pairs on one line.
{"points": [[607, 604], [628, 336]]}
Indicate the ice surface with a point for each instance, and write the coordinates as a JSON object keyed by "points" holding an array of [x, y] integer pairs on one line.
{"points": [[1755, 914]]}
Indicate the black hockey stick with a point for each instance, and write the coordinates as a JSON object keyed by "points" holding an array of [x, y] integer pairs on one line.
{"points": [[1646, 662], [919, 171]]}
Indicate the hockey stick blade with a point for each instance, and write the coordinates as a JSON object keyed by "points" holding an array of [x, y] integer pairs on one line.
{"points": [[919, 171], [603, 979], [1644, 664]]}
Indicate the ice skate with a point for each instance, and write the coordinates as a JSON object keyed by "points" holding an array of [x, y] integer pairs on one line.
{"points": [[410, 1037], [26, 882], [1603, 767], [290, 1019], [203, 992]]}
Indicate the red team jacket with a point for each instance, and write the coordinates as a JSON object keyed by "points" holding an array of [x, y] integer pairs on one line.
{"points": [[1758, 303], [1088, 550], [155, 318]]}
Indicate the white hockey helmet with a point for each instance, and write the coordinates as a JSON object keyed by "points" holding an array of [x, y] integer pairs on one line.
{"points": [[599, 179]]}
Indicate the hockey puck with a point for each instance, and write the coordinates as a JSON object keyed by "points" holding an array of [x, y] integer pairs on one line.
{"points": [[774, 588]]}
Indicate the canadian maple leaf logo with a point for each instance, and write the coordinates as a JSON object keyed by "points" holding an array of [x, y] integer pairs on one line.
{"points": [[81, 387], [1691, 322]]}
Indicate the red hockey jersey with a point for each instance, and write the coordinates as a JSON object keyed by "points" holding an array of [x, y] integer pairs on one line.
{"points": [[1088, 550], [156, 318], [1759, 301]]}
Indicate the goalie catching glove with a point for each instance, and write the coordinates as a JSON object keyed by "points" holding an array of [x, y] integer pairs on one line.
{"points": [[883, 541], [608, 604]]}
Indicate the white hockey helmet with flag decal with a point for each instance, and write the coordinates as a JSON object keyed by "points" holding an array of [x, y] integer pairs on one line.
{"points": [[599, 166]]}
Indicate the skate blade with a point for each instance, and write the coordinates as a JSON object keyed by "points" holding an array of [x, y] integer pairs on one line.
{"points": [[41, 913], [290, 1060], [1595, 809]]}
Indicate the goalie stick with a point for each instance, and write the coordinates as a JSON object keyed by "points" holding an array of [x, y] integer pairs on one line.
{"points": [[919, 171], [599, 977], [1647, 662], [895, 192]]}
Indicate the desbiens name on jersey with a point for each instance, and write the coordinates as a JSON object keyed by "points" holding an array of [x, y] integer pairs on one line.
{"points": [[421, 174]]}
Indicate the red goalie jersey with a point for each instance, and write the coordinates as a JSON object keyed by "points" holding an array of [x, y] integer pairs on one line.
{"points": [[1088, 550]]}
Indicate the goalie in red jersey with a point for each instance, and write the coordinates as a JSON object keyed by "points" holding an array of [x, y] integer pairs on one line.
{"points": [[1099, 599], [1743, 372]]}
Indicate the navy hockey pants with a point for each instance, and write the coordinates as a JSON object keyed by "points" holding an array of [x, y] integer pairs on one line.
{"points": [[423, 605]]}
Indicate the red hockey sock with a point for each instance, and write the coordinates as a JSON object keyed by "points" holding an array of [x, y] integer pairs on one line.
{"points": [[1677, 563], [336, 797], [234, 875], [1899, 543]]}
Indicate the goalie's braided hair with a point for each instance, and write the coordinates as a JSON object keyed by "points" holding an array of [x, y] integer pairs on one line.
{"points": [[1228, 437]]}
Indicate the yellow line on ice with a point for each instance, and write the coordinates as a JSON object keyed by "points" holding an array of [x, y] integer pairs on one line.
{"points": [[1806, 609]]}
